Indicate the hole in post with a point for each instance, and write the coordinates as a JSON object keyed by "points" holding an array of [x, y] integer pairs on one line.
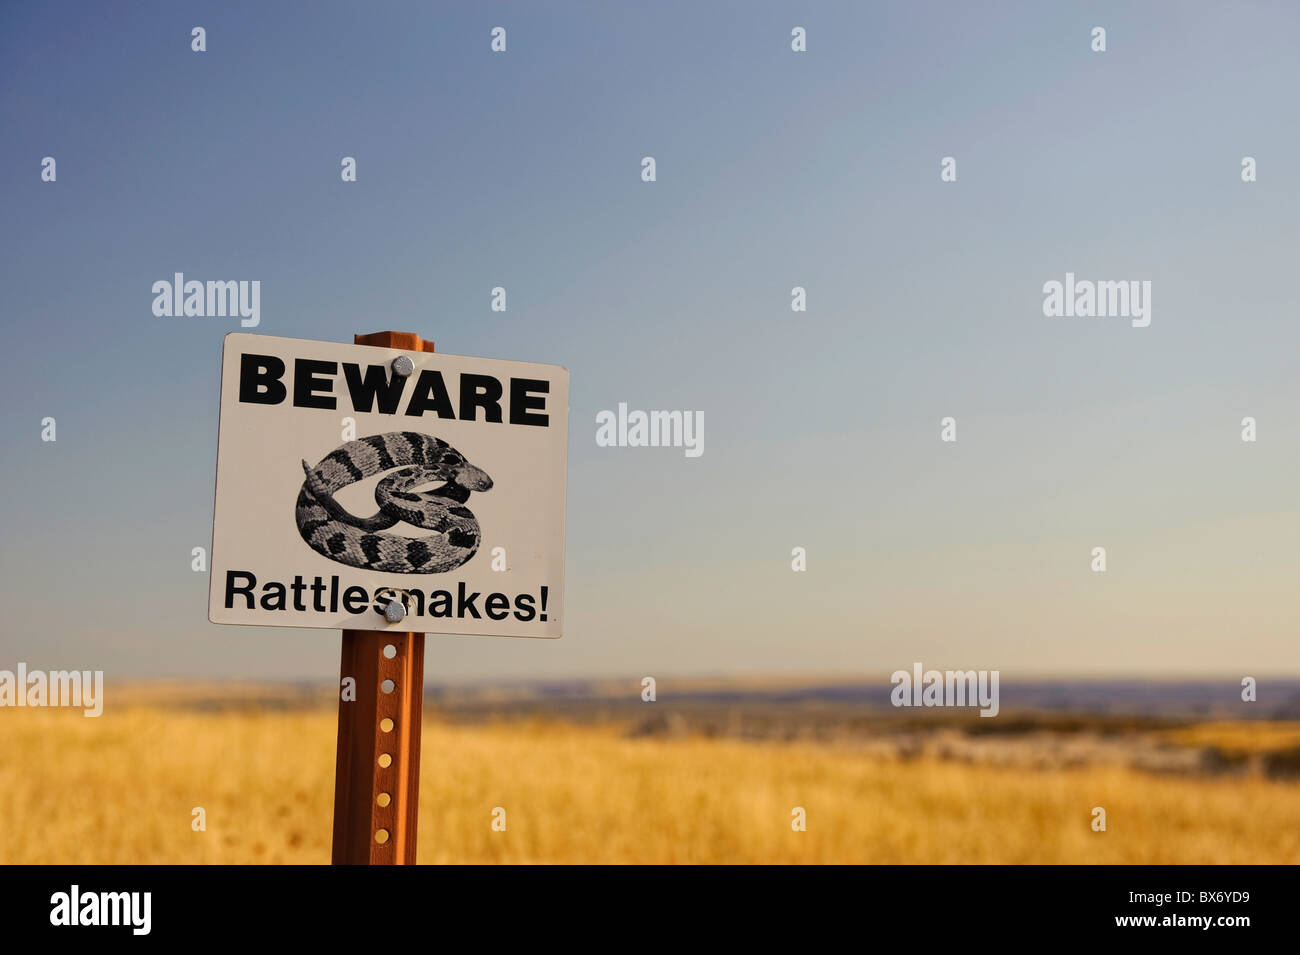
{"points": [[387, 686], [383, 799], [386, 725], [385, 760]]}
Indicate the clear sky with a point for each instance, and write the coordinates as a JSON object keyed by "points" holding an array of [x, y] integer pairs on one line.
{"points": [[775, 169]]}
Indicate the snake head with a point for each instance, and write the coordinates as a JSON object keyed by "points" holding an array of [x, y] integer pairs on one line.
{"points": [[472, 478]]}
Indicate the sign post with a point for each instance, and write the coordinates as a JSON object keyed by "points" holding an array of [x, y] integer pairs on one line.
{"points": [[385, 490], [376, 807]]}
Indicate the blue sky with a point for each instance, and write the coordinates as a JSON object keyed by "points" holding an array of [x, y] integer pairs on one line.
{"points": [[775, 169]]}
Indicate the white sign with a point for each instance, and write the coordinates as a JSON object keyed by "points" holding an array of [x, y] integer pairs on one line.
{"points": [[344, 486]]}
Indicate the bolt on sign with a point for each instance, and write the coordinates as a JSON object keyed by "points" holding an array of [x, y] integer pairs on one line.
{"points": [[367, 488]]}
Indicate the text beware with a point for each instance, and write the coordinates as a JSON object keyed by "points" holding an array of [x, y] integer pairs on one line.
{"points": [[371, 388]]}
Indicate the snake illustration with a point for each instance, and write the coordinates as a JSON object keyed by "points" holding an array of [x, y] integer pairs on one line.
{"points": [[330, 530]]}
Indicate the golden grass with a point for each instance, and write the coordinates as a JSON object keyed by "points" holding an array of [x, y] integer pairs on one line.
{"points": [[120, 789], [1243, 738]]}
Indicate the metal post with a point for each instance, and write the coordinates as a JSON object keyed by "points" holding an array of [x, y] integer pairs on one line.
{"points": [[377, 772]]}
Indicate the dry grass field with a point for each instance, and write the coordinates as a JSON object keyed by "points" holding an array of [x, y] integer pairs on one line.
{"points": [[1240, 737], [120, 789]]}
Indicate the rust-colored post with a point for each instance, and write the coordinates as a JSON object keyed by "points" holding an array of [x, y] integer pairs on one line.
{"points": [[376, 806]]}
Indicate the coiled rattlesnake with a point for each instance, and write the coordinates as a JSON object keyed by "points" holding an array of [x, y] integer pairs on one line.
{"points": [[333, 532]]}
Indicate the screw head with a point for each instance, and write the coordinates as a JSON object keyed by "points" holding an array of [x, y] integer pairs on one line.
{"points": [[395, 611], [403, 366]]}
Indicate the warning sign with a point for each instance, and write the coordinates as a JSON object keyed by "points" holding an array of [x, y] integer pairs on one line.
{"points": [[369, 488]]}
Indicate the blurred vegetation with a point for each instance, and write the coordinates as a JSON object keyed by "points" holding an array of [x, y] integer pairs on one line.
{"points": [[120, 789]]}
